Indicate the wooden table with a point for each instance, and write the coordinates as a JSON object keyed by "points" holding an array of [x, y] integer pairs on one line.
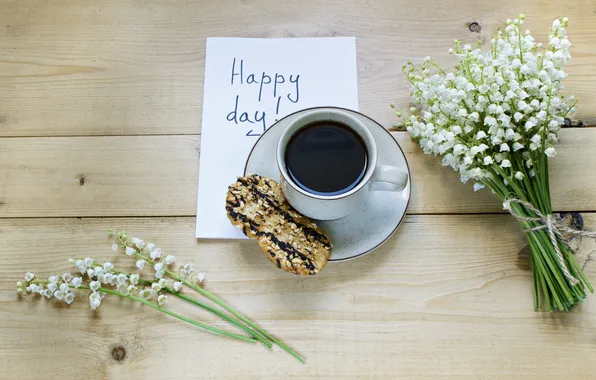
{"points": [[100, 122]]}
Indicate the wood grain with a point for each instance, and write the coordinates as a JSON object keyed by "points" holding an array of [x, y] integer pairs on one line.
{"points": [[447, 297], [157, 176], [82, 67]]}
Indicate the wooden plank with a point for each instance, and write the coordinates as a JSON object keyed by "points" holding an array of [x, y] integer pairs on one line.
{"points": [[446, 297], [157, 176], [136, 67]]}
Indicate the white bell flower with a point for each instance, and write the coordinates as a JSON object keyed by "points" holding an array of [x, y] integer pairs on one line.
{"points": [[155, 254], [140, 244], [69, 297], [162, 299], [140, 264], [94, 300], [108, 266], [94, 285], [177, 286], [76, 282]]}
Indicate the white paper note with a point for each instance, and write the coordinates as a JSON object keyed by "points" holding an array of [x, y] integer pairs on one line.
{"points": [[249, 85]]}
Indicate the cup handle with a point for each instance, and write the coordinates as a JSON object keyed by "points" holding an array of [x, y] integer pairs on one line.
{"points": [[389, 178]]}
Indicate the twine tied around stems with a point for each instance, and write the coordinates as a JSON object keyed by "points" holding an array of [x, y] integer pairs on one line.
{"points": [[555, 230]]}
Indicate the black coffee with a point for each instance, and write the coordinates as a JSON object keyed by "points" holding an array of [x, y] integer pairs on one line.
{"points": [[326, 158]]}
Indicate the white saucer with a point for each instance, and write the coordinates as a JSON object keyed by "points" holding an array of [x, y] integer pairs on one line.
{"points": [[378, 218]]}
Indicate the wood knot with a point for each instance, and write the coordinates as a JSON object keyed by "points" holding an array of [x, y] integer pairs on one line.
{"points": [[119, 353], [523, 259], [569, 124], [475, 27], [81, 180]]}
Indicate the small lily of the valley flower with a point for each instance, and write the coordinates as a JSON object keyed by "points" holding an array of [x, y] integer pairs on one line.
{"points": [[188, 269], [140, 264], [177, 286], [140, 244], [76, 282], [130, 251], [170, 259], [108, 279], [108, 266], [162, 299], [146, 293], [121, 279], [66, 277], [94, 285], [69, 297], [155, 254], [94, 300], [159, 272], [59, 294]]}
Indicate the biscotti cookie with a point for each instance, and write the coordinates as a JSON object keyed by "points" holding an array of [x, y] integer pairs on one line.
{"points": [[291, 241]]}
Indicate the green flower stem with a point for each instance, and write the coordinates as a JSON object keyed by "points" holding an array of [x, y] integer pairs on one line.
{"points": [[212, 310], [237, 314], [175, 315], [225, 306], [543, 263], [224, 316]]}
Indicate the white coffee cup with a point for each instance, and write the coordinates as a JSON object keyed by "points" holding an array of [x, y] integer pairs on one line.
{"points": [[329, 207]]}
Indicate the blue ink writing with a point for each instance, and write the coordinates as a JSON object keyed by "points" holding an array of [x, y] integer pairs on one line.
{"points": [[234, 73], [271, 89], [259, 116], [297, 89], [279, 79], [263, 82]]}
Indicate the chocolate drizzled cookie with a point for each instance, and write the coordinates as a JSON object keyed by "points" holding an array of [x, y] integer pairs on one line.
{"points": [[291, 241]]}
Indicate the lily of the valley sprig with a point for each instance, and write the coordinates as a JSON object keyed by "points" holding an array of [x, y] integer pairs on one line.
{"points": [[101, 279]]}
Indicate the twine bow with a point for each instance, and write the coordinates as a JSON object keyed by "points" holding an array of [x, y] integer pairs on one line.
{"points": [[555, 230]]}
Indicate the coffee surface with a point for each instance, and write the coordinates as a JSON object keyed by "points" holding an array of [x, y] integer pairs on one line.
{"points": [[326, 158]]}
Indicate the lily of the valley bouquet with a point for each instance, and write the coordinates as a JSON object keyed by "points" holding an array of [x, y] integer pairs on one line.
{"points": [[495, 118]]}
